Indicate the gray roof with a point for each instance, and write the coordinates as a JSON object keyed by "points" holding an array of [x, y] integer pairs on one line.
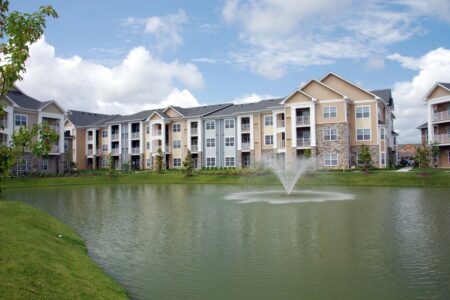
{"points": [[83, 118], [385, 95], [445, 84], [424, 125], [248, 107], [25, 101], [200, 111], [139, 116]]}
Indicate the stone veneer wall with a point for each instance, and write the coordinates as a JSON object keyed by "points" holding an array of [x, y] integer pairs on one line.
{"points": [[374, 152], [340, 146], [34, 164]]}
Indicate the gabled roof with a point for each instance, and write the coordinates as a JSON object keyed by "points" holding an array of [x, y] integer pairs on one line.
{"points": [[324, 85], [444, 85], [87, 119], [294, 93], [235, 109], [200, 111], [24, 101], [424, 125], [139, 116], [349, 82], [385, 95]]}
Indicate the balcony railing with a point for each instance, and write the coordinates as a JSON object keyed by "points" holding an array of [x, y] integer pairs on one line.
{"points": [[282, 144], [303, 120], [90, 151], [3, 123], [441, 116], [157, 132], [194, 131], [54, 149], [114, 137], [303, 142], [135, 135], [442, 138], [280, 124], [245, 126], [115, 151], [90, 138], [245, 146], [194, 148], [135, 150], [168, 149]]}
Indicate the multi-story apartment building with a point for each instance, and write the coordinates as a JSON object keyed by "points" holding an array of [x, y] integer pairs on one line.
{"points": [[437, 128], [23, 110], [329, 118]]}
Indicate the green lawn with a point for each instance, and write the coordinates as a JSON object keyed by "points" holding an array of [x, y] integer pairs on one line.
{"points": [[37, 264], [417, 177]]}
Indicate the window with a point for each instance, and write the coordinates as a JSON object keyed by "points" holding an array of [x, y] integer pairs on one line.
{"points": [[329, 112], [20, 120], [104, 163], [104, 133], [229, 123], [66, 145], [449, 156], [177, 162], [229, 161], [229, 141], [44, 165], [176, 127], [382, 134], [359, 162], [149, 162], [330, 134], [176, 144], [148, 145], [362, 112], [268, 121], [268, 139], [383, 158], [210, 142], [210, 125], [363, 134], [147, 129], [210, 161], [330, 159], [105, 147]]}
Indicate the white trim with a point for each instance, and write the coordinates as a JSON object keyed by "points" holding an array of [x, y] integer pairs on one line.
{"points": [[329, 112], [356, 134], [439, 100], [425, 98], [53, 102], [356, 112], [332, 101], [295, 92], [324, 85], [171, 107], [329, 154], [351, 83]]}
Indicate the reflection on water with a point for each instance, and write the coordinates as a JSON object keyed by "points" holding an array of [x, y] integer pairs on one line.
{"points": [[187, 242]]}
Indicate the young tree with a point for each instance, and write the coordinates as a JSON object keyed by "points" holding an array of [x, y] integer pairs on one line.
{"points": [[435, 152], [307, 153], [188, 165], [159, 161], [422, 156], [364, 157]]}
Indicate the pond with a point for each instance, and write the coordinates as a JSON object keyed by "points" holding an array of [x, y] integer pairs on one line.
{"points": [[203, 242]]}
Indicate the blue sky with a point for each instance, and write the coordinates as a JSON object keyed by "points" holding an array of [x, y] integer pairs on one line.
{"points": [[124, 56]]}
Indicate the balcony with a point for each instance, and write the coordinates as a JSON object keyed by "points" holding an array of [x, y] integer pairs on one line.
{"points": [[280, 124], [115, 151], [282, 144], [135, 135], [303, 142], [135, 150], [157, 132], [3, 123], [194, 131], [90, 152], [194, 148], [245, 127], [90, 138], [114, 137], [54, 149], [442, 139], [168, 149], [303, 120], [441, 116], [245, 146]]}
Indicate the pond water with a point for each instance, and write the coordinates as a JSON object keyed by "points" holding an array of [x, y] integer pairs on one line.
{"points": [[208, 242]]}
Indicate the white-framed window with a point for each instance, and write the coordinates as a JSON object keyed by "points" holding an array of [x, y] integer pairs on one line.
{"points": [[362, 112], [210, 125], [176, 144], [448, 131], [382, 134], [104, 133], [363, 134], [44, 165], [229, 141], [21, 166], [176, 127], [210, 142], [229, 161], [210, 161], [330, 134], [358, 159], [330, 159], [147, 129], [105, 147], [329, 112], [229, 123], [268, 120], [149, 162], [148, 145], [383, 158], [66, 145], [21, 120], [268, 139], [104, 163], [177, 162]]}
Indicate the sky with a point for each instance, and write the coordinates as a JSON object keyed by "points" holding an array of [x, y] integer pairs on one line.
{"points": [[127, 56]]}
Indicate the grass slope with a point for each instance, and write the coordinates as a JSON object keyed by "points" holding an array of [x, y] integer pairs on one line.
{"points": [[36, 264]]}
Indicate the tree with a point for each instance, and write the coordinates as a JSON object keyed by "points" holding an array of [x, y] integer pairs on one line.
{"points": [[112, 169], [159, 161], [307, 153], [364, 157], [188, 165], [435, 152], [422, 156]]}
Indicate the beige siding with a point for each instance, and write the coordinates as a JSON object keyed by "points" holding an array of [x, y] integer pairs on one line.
{"points": [[320, 92], [340, 112], [343, 87], [172, 113], [53, 108], [257, 139], [438, 92], [298, 98], [363, 123], [81, 148]]}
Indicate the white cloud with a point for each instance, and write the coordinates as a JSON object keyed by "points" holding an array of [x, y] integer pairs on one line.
{"points": [[204, 60], [251, 98], [439, 8], [279, 34], [139, 82], [165, 29], [410, 109]]}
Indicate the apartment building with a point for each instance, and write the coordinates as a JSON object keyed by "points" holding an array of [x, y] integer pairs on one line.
{"points": [[23, 110], [437, 128], [330, 118]]}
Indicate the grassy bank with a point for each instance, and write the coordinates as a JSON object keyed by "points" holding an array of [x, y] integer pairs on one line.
{"points": [[37, 264], [416, 178]]}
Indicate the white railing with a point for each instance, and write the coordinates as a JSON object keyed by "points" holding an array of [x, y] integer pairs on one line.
{"points": [[245, 146], [303, 120], [3, 123], [280, 124], [90, 151], [194, 148], [114, 137], [194, 131], [168, 149], [114, 151], [303, 142], [157, 132], [442, 138], [245, 127], [441, 116], [135, 135], [54, 149], [90, 138], [282, 144], [135, 150]]}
